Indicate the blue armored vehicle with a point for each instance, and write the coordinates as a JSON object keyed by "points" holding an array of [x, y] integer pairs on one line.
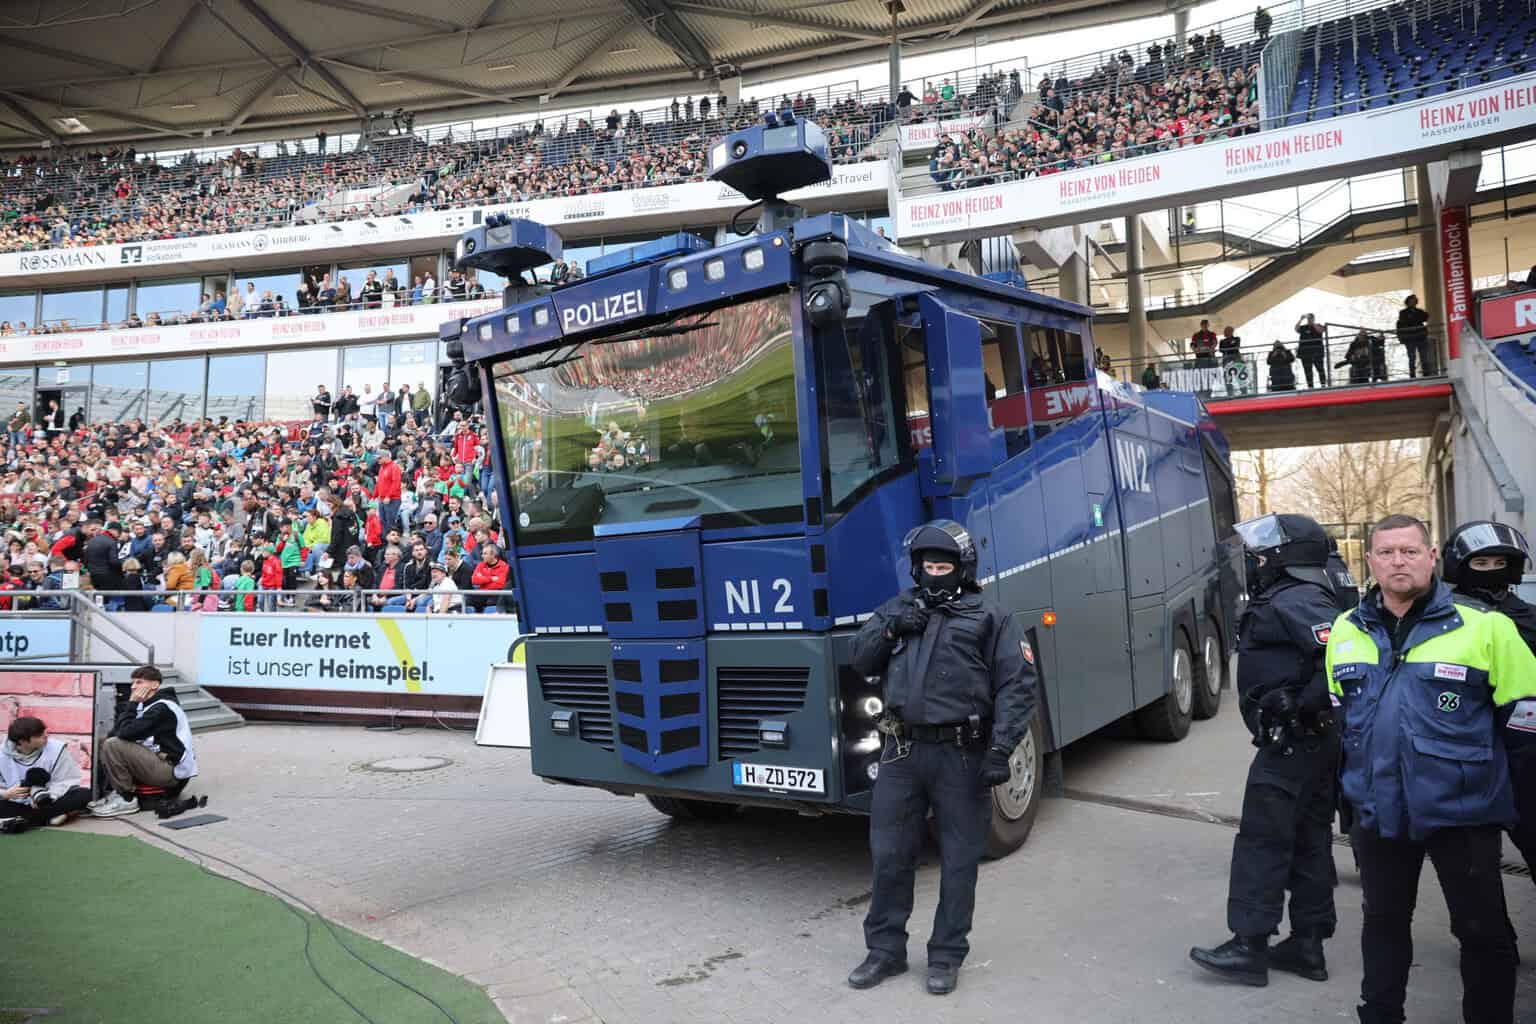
{"points": [[709, 455]]}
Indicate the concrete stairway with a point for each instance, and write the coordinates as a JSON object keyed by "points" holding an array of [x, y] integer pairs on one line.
{"points": [[204, 710]]}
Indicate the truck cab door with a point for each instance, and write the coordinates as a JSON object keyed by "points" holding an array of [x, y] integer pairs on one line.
{"points": [[955, 470]]}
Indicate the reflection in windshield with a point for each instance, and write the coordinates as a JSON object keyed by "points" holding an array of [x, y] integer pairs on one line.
{"points": [[697, 421]]}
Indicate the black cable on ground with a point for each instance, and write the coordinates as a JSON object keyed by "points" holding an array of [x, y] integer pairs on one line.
{"points": [[291, 899]]}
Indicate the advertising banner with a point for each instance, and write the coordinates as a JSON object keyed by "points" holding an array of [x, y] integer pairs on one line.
{"points": [[851, 184], [1312, 152], [415, 654], [1456, 272], [264, 333], [928, 133], [1507, 315], [33, 637]]}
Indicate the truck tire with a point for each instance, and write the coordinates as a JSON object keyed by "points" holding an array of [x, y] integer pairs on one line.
{"points": [[1016, 802], [692, 810], [1209, 675], [1167, 718]]}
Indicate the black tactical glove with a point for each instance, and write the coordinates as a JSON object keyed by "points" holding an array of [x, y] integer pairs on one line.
{"points": [[994, 769], [912, 621], [1279, 704]]}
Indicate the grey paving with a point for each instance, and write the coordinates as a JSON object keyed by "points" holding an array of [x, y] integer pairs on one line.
{"points": [[571, 905]]}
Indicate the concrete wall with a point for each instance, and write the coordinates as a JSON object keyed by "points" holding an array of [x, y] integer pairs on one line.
{"points": [[1494, 473]]}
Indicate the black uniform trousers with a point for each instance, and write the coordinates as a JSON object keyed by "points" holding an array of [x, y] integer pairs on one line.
{"points": [[947, 778], [1467, 863], [1522, 776], [1285, 841]]}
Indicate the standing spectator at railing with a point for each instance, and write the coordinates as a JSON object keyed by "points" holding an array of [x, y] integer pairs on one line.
{"points": [[1358, 358], [421, 404], [1151, 380], [304, 296], [245, 587], [416, 291], [53, 419], [102, 561], [1413, 332], [391, 290], [1282, 377], [386, 488], [1231, 346], [428, 289], [326, 295], [904, 101], [18, 425], [321, 403], [1312, 350], [1203, 344], [271, 578], [1261, 23], [344, 298], [372, 292]]}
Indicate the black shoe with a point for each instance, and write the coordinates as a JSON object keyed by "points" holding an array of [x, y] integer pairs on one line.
{"points": [[942, 978], [1301, 954], [14, 826], [874, 970], [1241, 958]]}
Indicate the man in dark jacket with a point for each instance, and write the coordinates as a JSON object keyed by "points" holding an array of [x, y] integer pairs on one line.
{"points": [[959, 697], [1413, 332], [1284, 839], [102, 561], [150, 745], [415, 578]]}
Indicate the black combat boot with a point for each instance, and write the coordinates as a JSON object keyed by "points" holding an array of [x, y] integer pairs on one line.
{"points": [[942, 978], [1301, 954], [875, 969], [1243, 958]]}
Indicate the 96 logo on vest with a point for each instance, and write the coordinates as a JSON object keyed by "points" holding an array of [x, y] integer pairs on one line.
{"points": [[1450, 701]]}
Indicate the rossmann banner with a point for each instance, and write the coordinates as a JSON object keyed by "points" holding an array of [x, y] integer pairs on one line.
{"points": [[262, 333], [1331, 148], [852, 185], [425, 654]]}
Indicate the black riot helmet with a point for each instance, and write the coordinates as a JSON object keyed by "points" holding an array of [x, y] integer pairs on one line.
{"points": [[952, 543], [1284, 545], [1472, 540]]}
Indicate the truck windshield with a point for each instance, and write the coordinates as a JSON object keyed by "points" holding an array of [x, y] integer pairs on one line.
{"points": [[697, 419]]}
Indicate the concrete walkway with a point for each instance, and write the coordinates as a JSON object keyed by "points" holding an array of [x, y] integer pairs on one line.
{"points": [[572, 905]]}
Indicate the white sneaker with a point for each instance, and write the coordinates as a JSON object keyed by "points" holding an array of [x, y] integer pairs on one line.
{"points": [[58, 819], [115, 806]]}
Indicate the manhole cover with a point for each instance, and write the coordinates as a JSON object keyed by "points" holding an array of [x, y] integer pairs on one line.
{"points": [[407, 764]]}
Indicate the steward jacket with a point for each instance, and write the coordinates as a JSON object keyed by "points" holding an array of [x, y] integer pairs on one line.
{"points": [[160, 726], [970, 660], [1281, 640], [1422, 744]]}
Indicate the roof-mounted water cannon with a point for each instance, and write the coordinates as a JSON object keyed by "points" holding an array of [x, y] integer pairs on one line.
{"points": [[508, 246], [765, 160]]}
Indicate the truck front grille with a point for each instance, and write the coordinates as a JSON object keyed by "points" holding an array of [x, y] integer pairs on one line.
{"points": [[747, 696], [584, 690]]}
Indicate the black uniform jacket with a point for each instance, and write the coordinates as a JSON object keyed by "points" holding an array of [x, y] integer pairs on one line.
{"points": [[1281, 641], [971, 660]]}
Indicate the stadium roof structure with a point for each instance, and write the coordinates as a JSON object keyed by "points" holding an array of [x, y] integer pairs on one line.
{"points": [[198, 71]]}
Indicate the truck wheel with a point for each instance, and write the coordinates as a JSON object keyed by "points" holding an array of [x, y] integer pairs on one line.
{"points": [[692, 810], [1209, 676], [1168, 717], [1016, 802]]}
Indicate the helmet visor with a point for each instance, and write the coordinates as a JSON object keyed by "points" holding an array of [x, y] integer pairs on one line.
{"points": [[1488, 539], [1262, 533]]}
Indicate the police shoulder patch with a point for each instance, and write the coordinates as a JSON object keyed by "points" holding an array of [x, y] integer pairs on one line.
{"points": [[1027, 651], [1320, 633]]}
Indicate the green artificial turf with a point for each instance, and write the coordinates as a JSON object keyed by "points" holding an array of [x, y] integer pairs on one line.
{"points": [[110, 929]]}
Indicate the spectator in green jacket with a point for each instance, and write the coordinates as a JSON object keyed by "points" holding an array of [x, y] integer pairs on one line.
{"points": [[317, 538], [421, 403], [245, 587]]}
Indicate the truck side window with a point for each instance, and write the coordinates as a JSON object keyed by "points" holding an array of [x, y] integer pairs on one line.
{"points": [[1006, 398], [1223, 503], [911, 343], [1058, 375], [860, 391]]}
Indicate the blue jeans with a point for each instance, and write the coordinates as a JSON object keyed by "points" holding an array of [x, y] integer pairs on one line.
{"points": [[389, 514], [18, 438], [316, 552], [384, 421], [397, 604], [946, 778]]}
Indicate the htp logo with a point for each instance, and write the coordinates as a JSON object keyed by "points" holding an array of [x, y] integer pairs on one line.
{"points": [[1131, 461]]}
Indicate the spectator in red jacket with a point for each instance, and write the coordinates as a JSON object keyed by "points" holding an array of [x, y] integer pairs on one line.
{"points": [[1203, 343], [386, 489], [491, 574]]}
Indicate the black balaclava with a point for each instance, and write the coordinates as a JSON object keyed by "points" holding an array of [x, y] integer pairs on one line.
{"points": [[938, 589]]}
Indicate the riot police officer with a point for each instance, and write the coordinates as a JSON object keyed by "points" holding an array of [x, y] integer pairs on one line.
{"points": [[1284, 840], [959, 692], [1482, 561], [1346, 591]]}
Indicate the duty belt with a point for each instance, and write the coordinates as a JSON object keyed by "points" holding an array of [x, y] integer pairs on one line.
{"points": [[958, 733]]}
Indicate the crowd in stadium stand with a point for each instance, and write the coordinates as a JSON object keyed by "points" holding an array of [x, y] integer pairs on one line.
{"points": [[72, 198], [1173, 98], [371, 495]]}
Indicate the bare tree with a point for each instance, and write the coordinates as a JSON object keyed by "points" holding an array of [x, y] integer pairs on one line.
{"points": [[1359, 483], [1255, 476]]}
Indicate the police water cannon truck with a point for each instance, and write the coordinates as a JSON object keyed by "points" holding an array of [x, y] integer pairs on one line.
{"points": [[708, 455]]}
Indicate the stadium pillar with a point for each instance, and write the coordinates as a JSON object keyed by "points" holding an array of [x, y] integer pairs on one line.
{"points": [[1073, 275], [1136, 305], [896, 8], [1180, 27], [1427, 253]]}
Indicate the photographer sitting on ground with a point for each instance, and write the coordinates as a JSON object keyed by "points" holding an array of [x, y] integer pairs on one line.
{"points": [[150, 745], [40, 782]]}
